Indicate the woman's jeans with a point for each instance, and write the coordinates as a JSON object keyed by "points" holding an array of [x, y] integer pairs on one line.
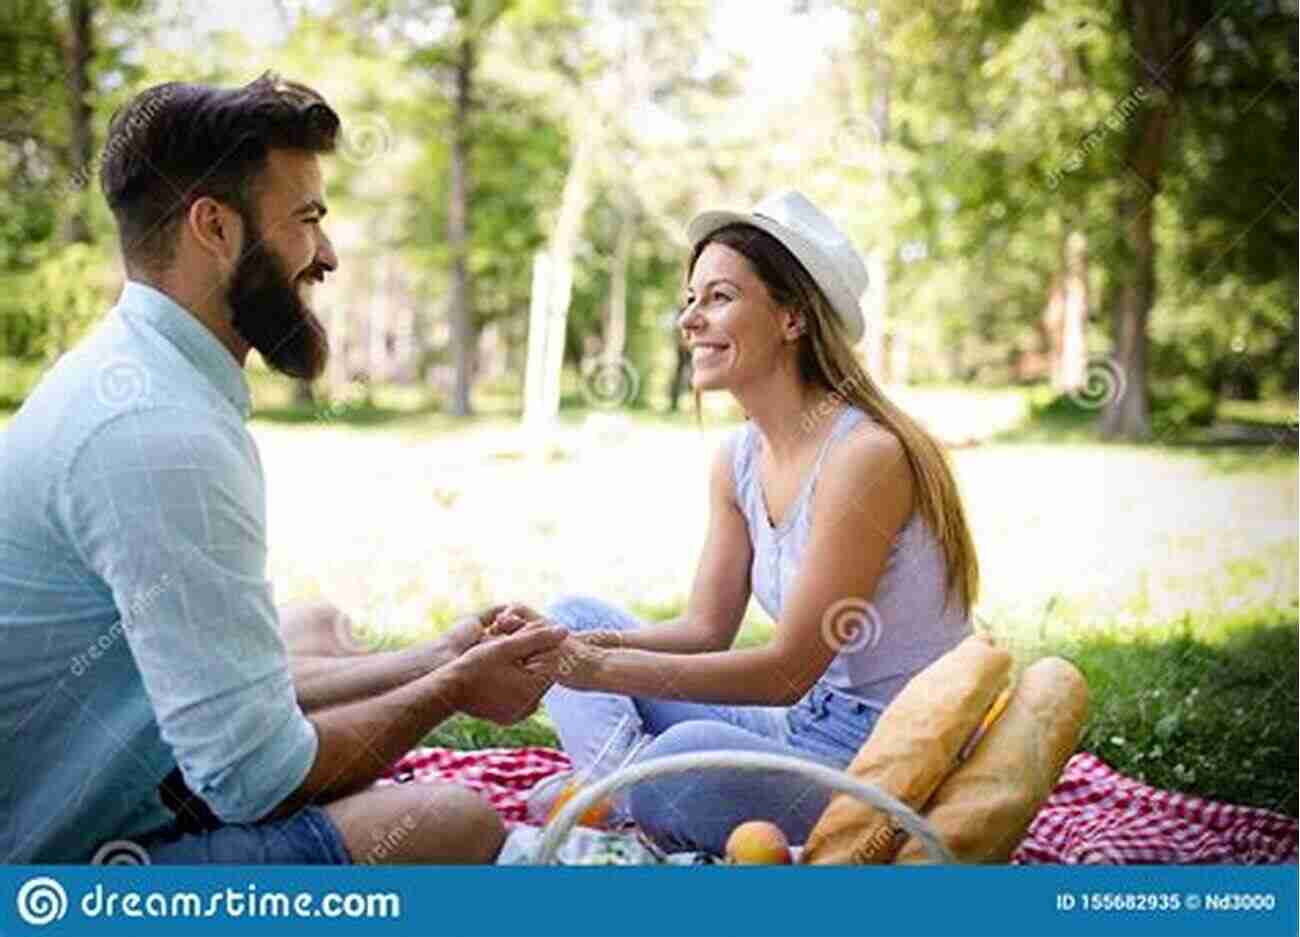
{"points": [[698, 810]]}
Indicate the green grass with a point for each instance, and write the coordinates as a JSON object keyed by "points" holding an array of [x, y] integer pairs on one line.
{"points": [[465, 733], [1208, 710]]}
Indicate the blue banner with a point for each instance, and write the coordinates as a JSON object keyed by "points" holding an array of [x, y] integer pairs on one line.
{"points": [[430, 901]]}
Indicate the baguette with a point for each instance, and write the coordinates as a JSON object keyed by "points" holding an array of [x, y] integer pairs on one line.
{"points": [[910, 751], [983, 809]]}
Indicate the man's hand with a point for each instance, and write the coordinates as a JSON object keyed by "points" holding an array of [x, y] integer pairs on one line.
{"points": [[503, 679]]}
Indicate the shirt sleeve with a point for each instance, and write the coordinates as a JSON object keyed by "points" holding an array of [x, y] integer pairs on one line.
{"points": [[167, 506]]}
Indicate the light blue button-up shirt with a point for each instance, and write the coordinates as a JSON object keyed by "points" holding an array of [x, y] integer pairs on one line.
{"points": [[137, 626]]}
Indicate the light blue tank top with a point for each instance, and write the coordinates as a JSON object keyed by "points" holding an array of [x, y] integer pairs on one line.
{"points": [[912, 625]]}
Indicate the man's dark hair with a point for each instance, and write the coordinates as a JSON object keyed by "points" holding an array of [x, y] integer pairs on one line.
{"points": [[177, 142]]}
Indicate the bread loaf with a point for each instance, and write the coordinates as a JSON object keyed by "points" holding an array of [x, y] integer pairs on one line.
{"points": [[982, 810], [910, 751]]}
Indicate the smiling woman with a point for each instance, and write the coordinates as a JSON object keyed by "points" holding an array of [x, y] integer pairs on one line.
{"points": [[833, 508]]}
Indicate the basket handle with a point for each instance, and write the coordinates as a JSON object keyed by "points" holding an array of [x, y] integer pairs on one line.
{"points": [[832, 778]]}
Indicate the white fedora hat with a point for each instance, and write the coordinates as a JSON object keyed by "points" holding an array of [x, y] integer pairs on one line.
{"points": [[823, 249]]}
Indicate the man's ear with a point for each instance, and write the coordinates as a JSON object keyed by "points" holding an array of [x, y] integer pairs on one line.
{"points": [[217, 230], [793, 323]]}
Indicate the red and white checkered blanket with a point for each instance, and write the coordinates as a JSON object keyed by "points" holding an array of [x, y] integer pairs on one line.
{"points": [[1095, 814]]}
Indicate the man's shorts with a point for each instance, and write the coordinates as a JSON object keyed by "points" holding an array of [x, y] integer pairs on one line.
{"points": [[308, 837]]}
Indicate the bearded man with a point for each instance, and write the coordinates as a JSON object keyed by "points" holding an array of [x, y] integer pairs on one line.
{"points": [[149, 702]]}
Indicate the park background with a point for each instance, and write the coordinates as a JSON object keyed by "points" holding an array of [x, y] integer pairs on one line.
{"points": [[1080, 220]]}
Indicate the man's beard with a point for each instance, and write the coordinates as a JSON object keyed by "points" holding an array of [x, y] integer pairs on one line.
{"points": [[271, 316]]}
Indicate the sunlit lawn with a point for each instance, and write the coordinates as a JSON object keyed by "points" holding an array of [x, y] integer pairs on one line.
{"points": [[1168, 574]]}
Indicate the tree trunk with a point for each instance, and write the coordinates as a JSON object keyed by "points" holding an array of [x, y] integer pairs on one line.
{"points": [[1162, 34], [1128, 415], [303, 394], [458, 230], [1074, 346], [1066, 316], [556, 277], [881, 256], [78, 51], [616, 322], [681, 376]]}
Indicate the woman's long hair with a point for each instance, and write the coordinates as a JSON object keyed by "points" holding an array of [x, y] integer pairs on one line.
{"points": [[826, 360]]}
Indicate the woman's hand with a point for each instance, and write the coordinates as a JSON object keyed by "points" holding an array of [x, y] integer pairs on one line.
{"points": [[602, 637], [579, 658], [491, 623], [500, 620]]}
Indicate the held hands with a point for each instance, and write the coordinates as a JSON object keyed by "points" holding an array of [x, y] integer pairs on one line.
{"points": [[492, 622], [503, 678], [510, 655]]}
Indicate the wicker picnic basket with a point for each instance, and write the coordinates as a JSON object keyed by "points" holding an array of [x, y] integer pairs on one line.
{"points": [[841, 782]]}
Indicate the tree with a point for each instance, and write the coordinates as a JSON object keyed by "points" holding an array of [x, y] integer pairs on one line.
{"points": [[1162, 33], [447, 38]]}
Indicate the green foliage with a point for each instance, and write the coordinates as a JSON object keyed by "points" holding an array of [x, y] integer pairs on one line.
{"points": [[1005, 130], [1010, 124], [518, 153]]}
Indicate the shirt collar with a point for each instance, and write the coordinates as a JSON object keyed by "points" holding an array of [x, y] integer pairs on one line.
{"points": [[192, 338]]}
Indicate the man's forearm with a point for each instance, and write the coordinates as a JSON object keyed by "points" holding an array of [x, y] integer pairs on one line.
{"points": [[358, 741], [324, 682]]}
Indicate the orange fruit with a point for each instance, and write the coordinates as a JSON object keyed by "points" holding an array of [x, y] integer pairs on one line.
{"points": [[758, 842]]}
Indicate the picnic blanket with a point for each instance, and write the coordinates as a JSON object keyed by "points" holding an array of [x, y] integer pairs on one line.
{"points": [[1095, 814]]}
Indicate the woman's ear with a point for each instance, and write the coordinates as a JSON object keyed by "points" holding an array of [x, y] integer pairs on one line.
{"points": [[793, 324]]}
